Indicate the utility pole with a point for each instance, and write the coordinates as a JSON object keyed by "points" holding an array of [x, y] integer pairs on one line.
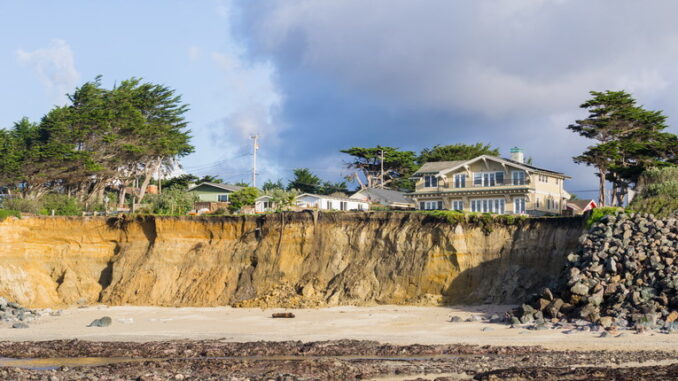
{"points": [[255, 147], [381, 182]]}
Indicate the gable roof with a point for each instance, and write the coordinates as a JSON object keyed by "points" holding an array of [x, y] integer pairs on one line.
{"points": [[387, 195], [437, 166], [581, 204], [442, 167], [226, 187]]}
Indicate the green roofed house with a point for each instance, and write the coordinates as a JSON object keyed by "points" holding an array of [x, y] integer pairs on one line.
{"points": [[213, 196]]}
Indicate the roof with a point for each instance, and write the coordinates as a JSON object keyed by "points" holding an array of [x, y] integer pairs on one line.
{"points": [[388, 195], [328, 196], [437, 166], [581, 204], [226, 187]]}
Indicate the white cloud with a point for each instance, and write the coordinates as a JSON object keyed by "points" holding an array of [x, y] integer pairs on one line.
{"points": [[55, 68]]}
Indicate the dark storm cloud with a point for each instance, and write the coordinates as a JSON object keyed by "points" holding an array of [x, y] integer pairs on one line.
{"points": [[413, 74]]}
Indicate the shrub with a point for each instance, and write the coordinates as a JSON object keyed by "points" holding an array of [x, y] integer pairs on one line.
{"points": [[173, 201], [61, 204], [22, 205], [245, 196], [658, 192]]}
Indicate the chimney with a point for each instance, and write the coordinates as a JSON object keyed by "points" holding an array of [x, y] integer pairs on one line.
{"points": [[518, 155]]}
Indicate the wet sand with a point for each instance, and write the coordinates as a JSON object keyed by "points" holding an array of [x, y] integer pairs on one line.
{"points": [[386, 324]]}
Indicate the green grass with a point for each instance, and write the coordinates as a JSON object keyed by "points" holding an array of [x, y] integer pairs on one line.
{"points": [[598, 213], [4, 213]]}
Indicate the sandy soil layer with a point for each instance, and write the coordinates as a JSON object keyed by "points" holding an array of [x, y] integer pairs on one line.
{"points": [[386, 324]]}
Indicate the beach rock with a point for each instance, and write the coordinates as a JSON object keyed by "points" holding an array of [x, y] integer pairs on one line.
{"points": [[624, 274], [102, 322]]}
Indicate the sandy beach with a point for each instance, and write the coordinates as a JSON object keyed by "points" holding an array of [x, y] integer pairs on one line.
{"points": [[386, 324]]}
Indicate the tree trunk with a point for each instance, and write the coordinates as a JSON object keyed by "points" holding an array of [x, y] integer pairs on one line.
{"points": [[122, 194], [601, 186], [151, 168]]}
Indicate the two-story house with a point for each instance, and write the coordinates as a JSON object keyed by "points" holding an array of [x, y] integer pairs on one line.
{"points": [[490, 184]]}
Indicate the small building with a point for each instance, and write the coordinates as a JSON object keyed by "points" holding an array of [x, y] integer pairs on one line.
{"points": [[264, 204], [490, 184], [325, 202], [577, 207], [384, 197], [213, 196]]}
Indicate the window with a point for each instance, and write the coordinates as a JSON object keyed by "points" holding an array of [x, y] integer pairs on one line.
{"points": [[519, 205], [360, 206], [460, 181], [518, 177], [430, 181], [488, 205], [222, 197], [458, 205], [343, 205], [268, 204], [431, 205], [537, 202], [488, 179], [329, 204]]}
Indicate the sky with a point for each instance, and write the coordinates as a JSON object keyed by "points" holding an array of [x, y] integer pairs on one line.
{"points": [[314, 77]]}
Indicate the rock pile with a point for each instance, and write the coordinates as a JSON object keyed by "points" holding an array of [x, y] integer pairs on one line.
{"points": [[16, 315], [625, 274]]}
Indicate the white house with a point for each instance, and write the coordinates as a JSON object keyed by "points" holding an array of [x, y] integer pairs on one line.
{"points": [[324, 202], [264, 204]]}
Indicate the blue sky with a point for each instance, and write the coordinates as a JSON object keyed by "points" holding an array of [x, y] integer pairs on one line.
{"points": [[313, 77]]}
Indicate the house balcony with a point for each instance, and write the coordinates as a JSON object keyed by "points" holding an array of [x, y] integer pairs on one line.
{"points": [[473, 190]]}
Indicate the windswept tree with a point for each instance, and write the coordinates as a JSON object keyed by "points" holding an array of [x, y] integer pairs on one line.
{"points": [[304, 181], [629, 141], [454, 152], [398, 165], [102, 138]]}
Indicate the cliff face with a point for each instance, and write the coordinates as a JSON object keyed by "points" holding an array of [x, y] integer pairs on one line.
{"points": [[279, 259]]}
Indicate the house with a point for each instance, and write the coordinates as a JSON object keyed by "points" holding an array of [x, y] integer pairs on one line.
{"points": [[575, 207], [385, 197], [264, 204], [324, 202], [490, 184], [212, 196]]}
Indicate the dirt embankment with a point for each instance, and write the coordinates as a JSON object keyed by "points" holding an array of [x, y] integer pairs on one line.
{"points": [[292, 259]]}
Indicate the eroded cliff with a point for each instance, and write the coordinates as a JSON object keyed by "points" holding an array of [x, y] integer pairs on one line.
{"points": [[322, 259]]}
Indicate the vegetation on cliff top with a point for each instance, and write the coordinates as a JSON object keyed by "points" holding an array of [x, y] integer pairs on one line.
{"points": [[658, 192]]}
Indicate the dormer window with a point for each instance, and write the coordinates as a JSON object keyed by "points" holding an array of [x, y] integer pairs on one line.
{"points": [[430, 181]]}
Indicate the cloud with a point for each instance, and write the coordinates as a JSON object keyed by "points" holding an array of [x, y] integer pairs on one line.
{"points": [[54, 67], [438, 72]]}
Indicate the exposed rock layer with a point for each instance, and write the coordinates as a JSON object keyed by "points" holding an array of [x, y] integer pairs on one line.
{"points": [[324, 259]]}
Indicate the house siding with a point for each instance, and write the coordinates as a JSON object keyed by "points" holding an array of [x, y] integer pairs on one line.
{"points": [[207, 193], [533, 189]]}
